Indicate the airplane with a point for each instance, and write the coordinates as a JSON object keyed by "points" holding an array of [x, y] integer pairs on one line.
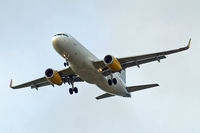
{"points": [[109, 74]]}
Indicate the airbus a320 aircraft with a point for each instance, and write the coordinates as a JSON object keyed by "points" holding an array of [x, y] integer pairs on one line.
{"points": [[108, 74]]}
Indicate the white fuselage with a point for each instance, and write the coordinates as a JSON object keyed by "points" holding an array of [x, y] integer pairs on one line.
{"points": [[81, 62]]}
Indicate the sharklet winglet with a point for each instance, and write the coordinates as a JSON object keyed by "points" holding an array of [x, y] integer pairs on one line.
{"points": [[11, 82], [188, 46]]}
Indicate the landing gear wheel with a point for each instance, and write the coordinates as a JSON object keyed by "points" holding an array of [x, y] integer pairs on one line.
{"points": [[66, 64], [75, 89], [70, 91], [114, 81], [110, 82]]}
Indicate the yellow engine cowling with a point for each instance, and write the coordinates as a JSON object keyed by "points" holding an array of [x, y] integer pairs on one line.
{"points": [[53, 76], [112, 63]]}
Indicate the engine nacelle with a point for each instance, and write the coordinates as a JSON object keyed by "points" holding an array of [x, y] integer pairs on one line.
{"points": [[112, 63], [53, 76]]}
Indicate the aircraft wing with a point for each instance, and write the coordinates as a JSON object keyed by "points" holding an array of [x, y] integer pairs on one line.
{"points": [[140, 59], [40, 82]]}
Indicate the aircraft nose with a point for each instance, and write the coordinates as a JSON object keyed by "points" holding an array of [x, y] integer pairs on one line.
{"points": [[57, 43], [55, 40]]}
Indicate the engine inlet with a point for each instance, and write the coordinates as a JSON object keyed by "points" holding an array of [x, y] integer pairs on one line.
{"points": [[49, 73], [108, 59]]}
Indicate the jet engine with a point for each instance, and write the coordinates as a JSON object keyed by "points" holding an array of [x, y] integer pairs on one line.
{"points": [[112, 63], [53, 76]]}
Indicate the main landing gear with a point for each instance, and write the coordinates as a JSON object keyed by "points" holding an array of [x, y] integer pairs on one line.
{"points": [[71, 90], [112, 80], [70, 81]]}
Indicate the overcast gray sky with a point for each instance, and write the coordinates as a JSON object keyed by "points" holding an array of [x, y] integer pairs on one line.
{"points": [[121, 28]]}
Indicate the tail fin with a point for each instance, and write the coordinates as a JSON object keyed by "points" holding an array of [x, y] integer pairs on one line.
{"points": [[140, 87]]}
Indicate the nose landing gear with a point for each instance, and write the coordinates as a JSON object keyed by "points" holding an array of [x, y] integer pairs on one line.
{"points": [[66, 63]]}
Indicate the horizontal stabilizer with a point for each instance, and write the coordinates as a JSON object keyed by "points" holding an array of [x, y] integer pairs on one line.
{"points": [[129, 89], [140, 87], [106, 95]]}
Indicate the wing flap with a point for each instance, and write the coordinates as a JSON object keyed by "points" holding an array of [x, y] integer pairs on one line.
{"points": [[36, 86], [142, 61]]}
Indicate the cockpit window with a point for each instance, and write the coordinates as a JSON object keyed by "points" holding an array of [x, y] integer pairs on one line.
{"points": [[61, 34]]}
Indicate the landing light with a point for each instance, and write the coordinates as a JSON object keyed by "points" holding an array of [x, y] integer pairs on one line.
{"points": [[100, 70]]}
